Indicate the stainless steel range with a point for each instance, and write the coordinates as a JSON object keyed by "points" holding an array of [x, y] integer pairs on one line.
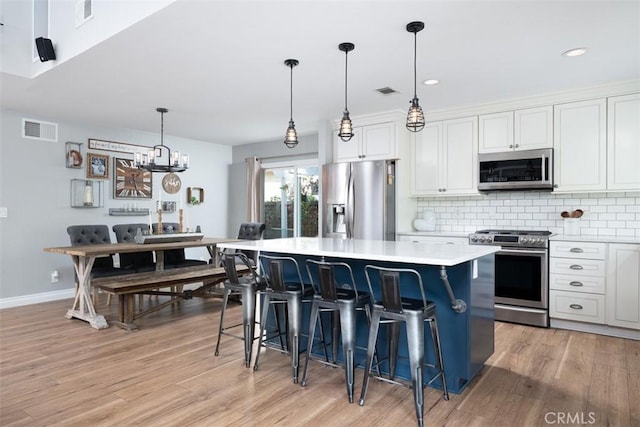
{"points": [[521, 275]]}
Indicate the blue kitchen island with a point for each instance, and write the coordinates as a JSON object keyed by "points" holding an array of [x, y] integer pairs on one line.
{"points": [[458, 278]]}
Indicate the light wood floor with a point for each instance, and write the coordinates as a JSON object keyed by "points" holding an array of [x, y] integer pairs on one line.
{"points": [[55, 371]]}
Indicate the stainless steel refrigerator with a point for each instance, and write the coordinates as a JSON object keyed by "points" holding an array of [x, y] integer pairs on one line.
{"points": [[359, 200]]}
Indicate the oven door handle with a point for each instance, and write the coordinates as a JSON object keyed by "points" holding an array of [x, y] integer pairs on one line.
{"points": [[524, 251]]}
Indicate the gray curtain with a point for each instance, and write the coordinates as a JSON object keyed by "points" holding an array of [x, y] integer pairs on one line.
{"points": [[254, 190]]}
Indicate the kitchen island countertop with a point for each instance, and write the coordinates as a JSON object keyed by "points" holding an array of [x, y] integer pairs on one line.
{"points": [[393, 251]]}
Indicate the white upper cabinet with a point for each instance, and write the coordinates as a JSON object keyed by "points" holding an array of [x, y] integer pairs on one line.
{"points": [[580, 149], [623, 159], [444, 158], [370, 142], [526, 129], [496, 132], [533, 128]]}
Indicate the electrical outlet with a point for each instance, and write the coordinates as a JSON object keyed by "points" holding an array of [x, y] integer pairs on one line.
{"points": [[55, 276]]}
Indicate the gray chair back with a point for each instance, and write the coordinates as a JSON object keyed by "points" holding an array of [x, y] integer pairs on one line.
{"points": [[251, 231], [172, 256], [126, 233], [91, 235]]}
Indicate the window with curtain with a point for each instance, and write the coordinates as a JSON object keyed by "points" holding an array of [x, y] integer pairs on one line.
{"points": [[291, 199]]}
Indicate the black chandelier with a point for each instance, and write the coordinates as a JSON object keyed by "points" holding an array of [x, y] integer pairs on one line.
{"points": [[346, 128], [415, 117], [174, 161], [291, 137]]}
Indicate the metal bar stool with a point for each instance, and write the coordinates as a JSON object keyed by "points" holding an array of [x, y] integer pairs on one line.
{"points": [[247, 287], [393, 309], [292, 293], [342, 301]]}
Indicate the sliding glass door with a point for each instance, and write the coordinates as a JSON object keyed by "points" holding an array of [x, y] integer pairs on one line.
{"points": [[290, 201]]}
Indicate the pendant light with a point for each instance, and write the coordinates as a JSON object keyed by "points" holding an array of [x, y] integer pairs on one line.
{"points": [[415, 117], [346, 129], [148, 160], [291, 137]]}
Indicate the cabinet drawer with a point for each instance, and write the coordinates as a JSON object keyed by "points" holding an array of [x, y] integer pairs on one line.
{"points": [[581, 250], [573, 283], [577, 267], [576, 306]]}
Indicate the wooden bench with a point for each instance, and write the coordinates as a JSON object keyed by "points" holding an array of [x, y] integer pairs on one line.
{"points": [[126, 286]]}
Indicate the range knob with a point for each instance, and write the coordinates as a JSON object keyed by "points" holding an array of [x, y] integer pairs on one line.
{"points": [[474, 238]]}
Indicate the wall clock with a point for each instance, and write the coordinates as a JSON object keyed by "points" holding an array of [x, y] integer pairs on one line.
{"points": [[129, 182], [171, 183]]}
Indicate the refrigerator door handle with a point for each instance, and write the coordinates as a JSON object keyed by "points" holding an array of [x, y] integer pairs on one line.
{"points": [[349, 207]]}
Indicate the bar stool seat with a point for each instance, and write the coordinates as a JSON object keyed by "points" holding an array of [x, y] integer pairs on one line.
{"points": [[292, 293], [343, 301], [246, 287], [393, 309]]}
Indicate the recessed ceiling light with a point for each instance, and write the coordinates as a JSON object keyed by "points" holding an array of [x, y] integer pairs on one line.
{"points": [[431, 82], [575, 52]]}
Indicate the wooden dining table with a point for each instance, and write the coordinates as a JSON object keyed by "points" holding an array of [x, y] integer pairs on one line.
{"points": [[84, 256]]}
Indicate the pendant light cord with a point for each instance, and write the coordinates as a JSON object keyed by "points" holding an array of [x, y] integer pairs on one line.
{"points": [[291, 92], [346, 57], [415, 68], [162, 128]]}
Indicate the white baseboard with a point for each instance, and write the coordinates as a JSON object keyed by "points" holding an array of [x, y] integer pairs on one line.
{"points": [[593, 328], [36, 298]]}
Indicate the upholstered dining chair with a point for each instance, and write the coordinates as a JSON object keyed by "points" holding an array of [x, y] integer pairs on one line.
{"points": [[136, 261], [91, 235], [175, 258]]}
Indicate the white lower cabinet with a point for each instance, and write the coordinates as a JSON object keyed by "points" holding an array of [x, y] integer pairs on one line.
{"points": [[598, 283], [623, 285], [577, 281]]}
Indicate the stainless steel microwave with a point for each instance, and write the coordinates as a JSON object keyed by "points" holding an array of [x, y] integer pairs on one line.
{"points": [[516, 170]]}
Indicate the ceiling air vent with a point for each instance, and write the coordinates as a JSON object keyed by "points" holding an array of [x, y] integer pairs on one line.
{"points": [[386, 90], [43, 131]]}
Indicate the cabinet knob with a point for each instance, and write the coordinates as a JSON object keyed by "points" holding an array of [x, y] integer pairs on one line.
{"points": [[517, 145], [575, 283], [576, 250], [576, 267], [555, 185], [575, 306], [444, 189], [511, 146]]}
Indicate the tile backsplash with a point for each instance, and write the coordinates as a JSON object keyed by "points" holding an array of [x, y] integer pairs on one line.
{"points": [[605, 214]]}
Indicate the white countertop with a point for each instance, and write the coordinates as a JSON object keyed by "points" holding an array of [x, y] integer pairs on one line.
{"points": [[596, 239], [378, 250]]}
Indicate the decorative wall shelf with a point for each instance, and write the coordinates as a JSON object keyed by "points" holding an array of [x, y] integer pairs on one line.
{"points": [[128, 212], [87, 193]]}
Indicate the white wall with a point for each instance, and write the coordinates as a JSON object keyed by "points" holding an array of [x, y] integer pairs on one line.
{"points": [[109, 18], [605, 214], [35, 188]]}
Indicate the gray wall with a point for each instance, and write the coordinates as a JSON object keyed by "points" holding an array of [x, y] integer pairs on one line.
{"points": [[268, 151], [35, 188]]}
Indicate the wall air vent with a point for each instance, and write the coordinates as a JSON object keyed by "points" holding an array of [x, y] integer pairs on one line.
{"points": [[386, 90], [84, 11], [36, 129]]}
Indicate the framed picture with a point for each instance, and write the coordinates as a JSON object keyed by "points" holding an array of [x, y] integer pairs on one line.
{"points": [[73, 155], [168, 206], [97, 166], [130, 182]]}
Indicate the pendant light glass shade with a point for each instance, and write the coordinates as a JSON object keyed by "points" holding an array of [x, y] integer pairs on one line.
{"points": [[415, 116], [291, 137], [346, 128], [175, 162]]}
